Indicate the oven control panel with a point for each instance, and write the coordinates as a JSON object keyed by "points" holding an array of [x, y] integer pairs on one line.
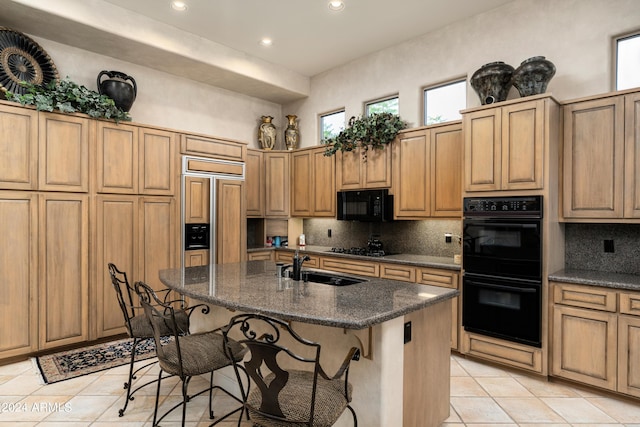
{"points": [[503, 206]]}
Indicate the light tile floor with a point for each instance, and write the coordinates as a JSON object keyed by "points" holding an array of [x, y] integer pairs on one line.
{"points": [[481, 395]]}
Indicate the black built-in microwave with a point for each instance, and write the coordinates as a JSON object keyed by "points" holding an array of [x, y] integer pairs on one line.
{"points": [[365, 205]]}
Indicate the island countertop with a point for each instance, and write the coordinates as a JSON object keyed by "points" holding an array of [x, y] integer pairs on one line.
{"points": [[253, 286]]}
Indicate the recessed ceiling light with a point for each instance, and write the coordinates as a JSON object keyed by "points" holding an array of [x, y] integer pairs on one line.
{"points": [[179, 6], [266, 41], [336, 5]]}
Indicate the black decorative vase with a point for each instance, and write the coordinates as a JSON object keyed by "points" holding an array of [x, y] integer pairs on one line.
{"points": [[492, 82], [118, 88], [533, 75]]}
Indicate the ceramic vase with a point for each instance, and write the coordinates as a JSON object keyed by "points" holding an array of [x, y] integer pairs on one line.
{"points": [[291, 134], [119, 87], [492, 82], [533, 76], [267, 133]]}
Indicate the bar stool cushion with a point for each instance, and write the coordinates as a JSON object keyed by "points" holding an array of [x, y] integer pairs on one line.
{"points": [[140, 327]]}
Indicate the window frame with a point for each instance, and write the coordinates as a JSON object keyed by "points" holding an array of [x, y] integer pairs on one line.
{"points": [[614, 55], [379, 100], [459, 79], [329, 113]]}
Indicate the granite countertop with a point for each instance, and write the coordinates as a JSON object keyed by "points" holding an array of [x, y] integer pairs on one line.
{"points": [[253, 287], [598, 278], [407, 259]]}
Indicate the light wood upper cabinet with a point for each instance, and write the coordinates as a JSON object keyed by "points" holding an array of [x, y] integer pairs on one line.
{"points": [[19, 145], [218, 148], [64, 152], [158, 163], [231, 226], [313, 191], [632, 156], [593, 158], [427, 172], [504, 146], [197, 201], [63, 269], [254, 183], [353, 172], [19, 266], [277, 176], [135, 160]]}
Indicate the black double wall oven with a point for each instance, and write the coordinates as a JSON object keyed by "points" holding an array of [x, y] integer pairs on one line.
{"points": [[502, 255]]}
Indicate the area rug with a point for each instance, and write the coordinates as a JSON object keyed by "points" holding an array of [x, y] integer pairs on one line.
{"points": [[86, 360]]}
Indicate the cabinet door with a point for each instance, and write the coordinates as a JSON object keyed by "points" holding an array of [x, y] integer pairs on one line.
{"points": [[482, 150], [117, 227], [593, 159], [584, 346], [230, 222], [117, 158], [196, 196], [157, 168], [158, 237], [446, 171], [377, 168], [412, 181], [19, 266], [629, 355], [64, 269], [522, 146], [323, 186], [632, 156], [349, 170], [254, 183], [276, 184], [64, 153], [301, 180], [19, 145]]}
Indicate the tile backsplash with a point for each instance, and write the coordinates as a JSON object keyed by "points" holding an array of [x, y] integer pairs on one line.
{"points": [[409, 237], [584, 247]]}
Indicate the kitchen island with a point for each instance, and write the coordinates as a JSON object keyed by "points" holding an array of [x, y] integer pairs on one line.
{"points": [[402, 329]]}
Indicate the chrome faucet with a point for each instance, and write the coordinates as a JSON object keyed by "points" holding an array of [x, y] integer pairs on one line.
{"points": [[297, 265]]}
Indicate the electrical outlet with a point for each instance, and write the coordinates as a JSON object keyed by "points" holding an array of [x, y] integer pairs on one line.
{"points": [[608, 246], [329, 232], [447, 237]]}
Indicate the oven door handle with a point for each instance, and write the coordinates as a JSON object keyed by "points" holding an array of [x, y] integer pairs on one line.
{"points": [[505, 288]]}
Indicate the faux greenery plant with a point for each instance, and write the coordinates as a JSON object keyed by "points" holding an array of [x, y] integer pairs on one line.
{"points": [[69, 97], [374, 131]]}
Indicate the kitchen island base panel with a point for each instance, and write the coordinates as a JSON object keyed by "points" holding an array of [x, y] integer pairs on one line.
{"points": [[401, 385]]}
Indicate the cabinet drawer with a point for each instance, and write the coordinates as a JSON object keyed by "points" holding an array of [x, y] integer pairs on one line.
{"points": [[585, 296], [260, 256], [630, 303], [501, 351], [435, 277], [286, 256], [398, 272], [362, 268]]}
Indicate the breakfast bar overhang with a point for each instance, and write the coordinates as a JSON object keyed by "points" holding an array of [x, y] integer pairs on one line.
{"points": [[402, 328]]}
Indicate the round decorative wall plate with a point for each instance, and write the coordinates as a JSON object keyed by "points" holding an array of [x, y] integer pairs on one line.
{"points": [[22, 59]]}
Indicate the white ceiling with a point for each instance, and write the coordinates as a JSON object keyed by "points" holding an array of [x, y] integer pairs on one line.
{"points": [[217, 41]]}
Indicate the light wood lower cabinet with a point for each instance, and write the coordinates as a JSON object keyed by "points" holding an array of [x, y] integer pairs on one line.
{"points": [[138, 235], [596, 336], [63, 269], [19, 266], [260, 256]]}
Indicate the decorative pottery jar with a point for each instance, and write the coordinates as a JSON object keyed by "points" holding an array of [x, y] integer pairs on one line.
{"points": [[291, 134], [492, 82], [533, 75], [267, 133], [119, 87]]}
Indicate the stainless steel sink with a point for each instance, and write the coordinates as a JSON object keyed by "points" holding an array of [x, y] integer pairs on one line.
{"points": [[330, 278]]}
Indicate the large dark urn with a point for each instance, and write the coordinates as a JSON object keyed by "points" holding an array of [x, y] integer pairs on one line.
{"points": [[492, 82], [533, 76], [118, 88]]}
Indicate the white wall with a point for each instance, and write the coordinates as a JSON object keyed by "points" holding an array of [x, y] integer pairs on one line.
{"points": [[169, 101], [574, 34]]}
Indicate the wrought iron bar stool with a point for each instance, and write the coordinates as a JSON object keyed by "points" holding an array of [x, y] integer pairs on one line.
{"points": [[284, 396], [186, 355]]}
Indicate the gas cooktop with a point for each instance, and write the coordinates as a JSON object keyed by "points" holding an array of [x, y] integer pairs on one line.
{"points": [[360, 251]]}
